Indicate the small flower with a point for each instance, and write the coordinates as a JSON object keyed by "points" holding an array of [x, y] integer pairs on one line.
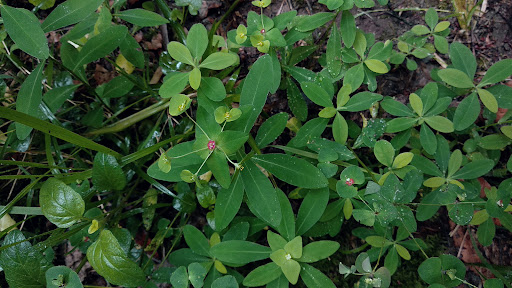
{"points": [[241, 34], [349, 181], [260, 43], [211, 145], [288, 256], [262, 3]]}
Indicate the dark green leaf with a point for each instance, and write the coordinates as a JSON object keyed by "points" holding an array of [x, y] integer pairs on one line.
{"points": [[467, 112], [261, 195], [354, 76], [292, 170], [314, 278], [486, 232], [311, 22], [107, 173], [142, 17], [428, 139], [227, 281], [239, 252], [217, 163], [69, 277], [361, 101], [24, 29], [497, 73], [60, 203], [262, 275], [271, 129], [316, 94], [463, 59], [29, 98], [474, 169], [117, 87], [396, 108], [228, 202], [333, 54], [348, 28], [69, 12], [311, 209], [109, 260], [455, 78]]}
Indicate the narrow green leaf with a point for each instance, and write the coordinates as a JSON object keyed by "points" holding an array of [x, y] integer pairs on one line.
{"points": [[228, 203], [416, 103], [240, 252], [455, 162], [466, 113], [396, 108], [354, 76], [261, 195], [440, 123], [314, 278], [292, 170], [271, 129], [497, 73], [333, 53], [296, 101], [29, 98], [217, 163], [219, 61], [428, 139], [340, 129], [348, 28], [361, 101], [262, 275], [60, 203], [311, 209], [287, 226], [100, 45], [142, 17], [474, 169], [196, 240], [54, 130], [308, 23], [318, 250], [110, 261], [25, 30], [69, 12], [486, 232], [455, 78], [400, 124], [431, 18]]}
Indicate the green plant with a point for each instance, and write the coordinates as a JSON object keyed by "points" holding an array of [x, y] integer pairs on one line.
{"points": [[121, 175]]}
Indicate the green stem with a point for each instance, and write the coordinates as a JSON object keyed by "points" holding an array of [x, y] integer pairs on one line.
{"points": [[132, 119]]}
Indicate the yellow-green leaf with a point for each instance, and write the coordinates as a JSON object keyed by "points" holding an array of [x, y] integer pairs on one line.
{"points": [[194, 78], [402, 252], [402, 160], [376, 66], [488, 99], [416, 104], [434, 182], [441, 26]]}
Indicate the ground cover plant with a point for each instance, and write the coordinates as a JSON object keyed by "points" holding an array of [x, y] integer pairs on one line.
{"points": [[171, 172]]}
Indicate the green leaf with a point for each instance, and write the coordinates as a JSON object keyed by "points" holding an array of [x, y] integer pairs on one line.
{"points": [[318, 250], [402, 252], [463, 59], [402, 160], [455, 78], [400, 124], [132, 51], [68, 276], [493, 283], [311, 209], [287, 225], [218, 165], [486, 232], [24, 29], [455, 162], [354, 76], [431, 18], [100, 45], [296, 101], [474, 169], [60, 203], [231, 141], [197, 40], [69, 12], [426, 166], [376, 66], [228, 203], [377, 241], [348, 28], [29, 98], [416, 104], [179, 278], [466, 113], [291, 269], [271, 129], [196, 274], [384, 152], [497, 73], [178, 104], [239, 252], [441, 26], [180, 52], [312, 277], [219, 61], [494, 142], [255, 90], [107, 174], [316, 94], [117, 87], [292, 170], [174, 85], [396, 108], [441, 44], [227, 281], [361, 101], [327, 112], [333, 53], [22, 264], [488, 99], [109, 260], [212, 88], [194, 78], [56, 97], [420, 30], [54, 130], [340, 129], [261, 195], [262, 275], [439, 123], [360, 44], [308, 23], [428, 139], [142, 18]]}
